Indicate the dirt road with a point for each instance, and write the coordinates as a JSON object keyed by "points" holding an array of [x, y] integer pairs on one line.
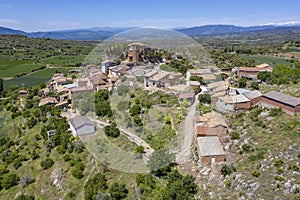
{"points": [[185, 153]]}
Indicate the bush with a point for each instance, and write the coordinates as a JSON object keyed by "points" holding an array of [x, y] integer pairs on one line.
{"points": [[140, 149], [9, 180], [204, 98], [112, 130], [242, 82], [275, 112], [135, 110], [118, 191], [226, 170], [25, 197], [197, 78], [279, 178], [257, 155], [67, 157], [46, 164], [94, 185], [77, 171], [246, 147], [278, 163], [255, 173], [235, 136], [255, 85]]}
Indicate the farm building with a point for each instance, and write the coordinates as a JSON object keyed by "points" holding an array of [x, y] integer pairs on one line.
{"points": [[252, 72], [254, 96], [210, 149], [81, 125], [233, 103], [287, 103]]}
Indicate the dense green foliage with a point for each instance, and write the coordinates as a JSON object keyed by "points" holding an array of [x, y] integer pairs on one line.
{"points": [[204, 98], [117, 191], [9, 180], [281, 74], [95, 184], [46, 164], [197, 78], [242, 82], [102, 104], [25, 197], [172, 186], [112, 130]]}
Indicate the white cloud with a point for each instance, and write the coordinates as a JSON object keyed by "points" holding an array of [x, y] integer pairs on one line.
{"points": [[174, 22], [289, 23], [9, 21]]}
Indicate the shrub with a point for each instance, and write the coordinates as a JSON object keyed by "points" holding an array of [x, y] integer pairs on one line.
{"points": [[25, 197], [255, 85], [235, 136], [226, 170], [255, 173], [9, 180], [227, 184], [112, 130], [275, 112], [140, 149], [242, 82], [246, 147], [118, 191], [67, 157], [135, 110], [278, 163], [279, 178], [204, 98], [77, 171], [46, 164], [257, 155]]}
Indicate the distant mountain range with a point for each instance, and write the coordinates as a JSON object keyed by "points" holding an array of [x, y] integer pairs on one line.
{"points": [[96, 33], [100, 33]]}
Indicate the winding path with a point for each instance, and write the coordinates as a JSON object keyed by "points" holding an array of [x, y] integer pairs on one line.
{"points": [[131, 136]]}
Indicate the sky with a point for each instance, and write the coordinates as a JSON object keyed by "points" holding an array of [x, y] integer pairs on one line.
{"points": [[42, 15]]}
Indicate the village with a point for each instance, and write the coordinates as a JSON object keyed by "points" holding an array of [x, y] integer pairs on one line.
{"points": [[208, 132]]}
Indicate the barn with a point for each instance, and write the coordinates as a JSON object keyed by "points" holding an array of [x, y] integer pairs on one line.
{"points": [[287, 103]]}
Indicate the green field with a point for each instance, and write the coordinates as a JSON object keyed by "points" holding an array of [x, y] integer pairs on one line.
{"points": [[66, 61], [35, 78], [9, 68], [22, 56], [259, 59]]}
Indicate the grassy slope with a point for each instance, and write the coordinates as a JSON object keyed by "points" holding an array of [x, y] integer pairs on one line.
{"points": [[43, 187], [266, 59], [269, 138]]}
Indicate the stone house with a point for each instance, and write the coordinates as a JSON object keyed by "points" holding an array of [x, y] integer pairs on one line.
{"points": [[210, 150]]}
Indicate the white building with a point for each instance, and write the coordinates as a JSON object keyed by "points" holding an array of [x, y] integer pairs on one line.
{"points": [[81, 125]]}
